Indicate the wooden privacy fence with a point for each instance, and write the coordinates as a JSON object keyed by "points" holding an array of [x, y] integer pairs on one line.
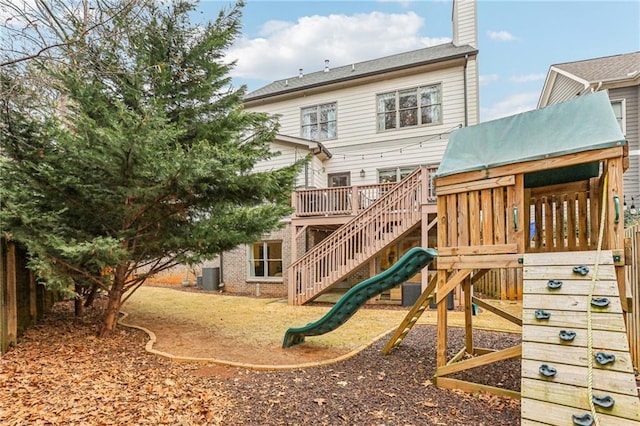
{"points": [[503, 284], [632, 234]]}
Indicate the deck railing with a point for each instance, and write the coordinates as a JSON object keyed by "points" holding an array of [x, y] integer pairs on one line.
{"points": [[345, 200], [394, 212]]}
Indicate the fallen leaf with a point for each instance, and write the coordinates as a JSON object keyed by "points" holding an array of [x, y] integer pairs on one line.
{"points": [[320, 401]]}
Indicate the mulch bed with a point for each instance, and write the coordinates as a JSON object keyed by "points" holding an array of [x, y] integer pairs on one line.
{"points": [[61, 374]]}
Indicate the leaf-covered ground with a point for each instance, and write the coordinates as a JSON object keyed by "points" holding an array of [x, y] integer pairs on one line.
{"points": [[61, 374]]}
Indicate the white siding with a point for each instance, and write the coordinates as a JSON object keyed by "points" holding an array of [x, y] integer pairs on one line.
{"points": [[360, 146], [317, 174], [631, 95], [288, 155], [464, 23], [564, 88]]}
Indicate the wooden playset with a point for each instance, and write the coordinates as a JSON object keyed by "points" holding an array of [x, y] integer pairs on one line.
{"points": [[541, 191]]}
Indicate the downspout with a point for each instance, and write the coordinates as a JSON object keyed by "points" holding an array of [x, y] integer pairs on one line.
{"points": [[466, 107]]}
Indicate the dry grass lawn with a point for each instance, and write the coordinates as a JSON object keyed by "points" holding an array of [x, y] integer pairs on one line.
{"points": [[256, 323]]}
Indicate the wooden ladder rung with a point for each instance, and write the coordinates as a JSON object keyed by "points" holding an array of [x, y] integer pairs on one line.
{"points": [[411, 318]]}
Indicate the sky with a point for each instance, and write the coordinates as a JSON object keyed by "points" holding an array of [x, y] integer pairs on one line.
{"points": [[518, 40]]}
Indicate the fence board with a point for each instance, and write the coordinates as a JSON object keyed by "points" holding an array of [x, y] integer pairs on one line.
{"points": [[633, 282]]}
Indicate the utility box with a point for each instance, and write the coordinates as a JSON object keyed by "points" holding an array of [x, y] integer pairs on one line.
{"points": [[410, 293], [211, 279]]}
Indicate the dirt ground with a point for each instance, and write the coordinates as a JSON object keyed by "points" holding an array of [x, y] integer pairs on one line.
{"points": [[183, 340]]}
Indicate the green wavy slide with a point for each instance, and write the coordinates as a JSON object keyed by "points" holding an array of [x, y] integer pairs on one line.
{"points": [[409, 265]]}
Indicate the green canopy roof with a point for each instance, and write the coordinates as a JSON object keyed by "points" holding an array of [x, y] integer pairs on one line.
{"points": [[581, 124]]}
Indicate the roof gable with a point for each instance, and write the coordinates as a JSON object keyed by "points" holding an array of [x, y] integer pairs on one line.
{"points": [[617, 67], [581, 124]]}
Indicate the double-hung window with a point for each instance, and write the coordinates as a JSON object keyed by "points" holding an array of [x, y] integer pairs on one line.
{"points": [[319, 122], [265, 259], [619, 110], [409, 107], [395, 174]]}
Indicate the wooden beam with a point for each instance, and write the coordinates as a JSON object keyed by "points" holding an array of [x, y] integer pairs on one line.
{"points": [[470, 387], [483, 351], [526, 167], [457, 356], [480, 262], [476, 185], [441, 348], [452, 283], [478, 275], [512, 352], [495, 310], [492, 249], [468, 314]]}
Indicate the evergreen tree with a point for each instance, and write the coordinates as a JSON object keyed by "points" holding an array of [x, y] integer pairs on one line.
{"points": [[147, 159]]}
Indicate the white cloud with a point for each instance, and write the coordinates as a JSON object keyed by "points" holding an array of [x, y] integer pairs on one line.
{"points": [[527, 78], [283, 47], [512, 104], [488, 79], [501, 36]]}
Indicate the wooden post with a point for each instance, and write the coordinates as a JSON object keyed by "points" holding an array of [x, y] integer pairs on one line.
{"points": [[441, 358], [11, 295], [468, 313], [446, 224], [616, 230], [3, 307]]}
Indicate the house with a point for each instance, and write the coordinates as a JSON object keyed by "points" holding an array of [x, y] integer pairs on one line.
{"points": [[367, 126], [619, 75]]}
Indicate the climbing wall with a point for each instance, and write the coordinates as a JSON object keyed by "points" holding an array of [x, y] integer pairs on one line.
{"points": [[555, 353]]}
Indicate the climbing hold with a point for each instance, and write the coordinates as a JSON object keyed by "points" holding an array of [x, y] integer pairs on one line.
{"points": [[567, 335], [582, 270], [604, 358], [583, 420], [600, 302], [603, 401], [553, 284], [542, 315], [547, 370]]}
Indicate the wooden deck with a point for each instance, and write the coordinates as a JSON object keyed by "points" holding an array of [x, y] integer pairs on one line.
{"points": [[554, 400]]}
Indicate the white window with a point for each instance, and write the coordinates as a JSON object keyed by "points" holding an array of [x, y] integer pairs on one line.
{"points": [[619, 108], [395, 174], [319, 122], [409, 108], [265, 259]]}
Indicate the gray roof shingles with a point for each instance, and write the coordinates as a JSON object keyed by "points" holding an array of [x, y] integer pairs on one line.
{"points": [[607, 68], [410, 59]]}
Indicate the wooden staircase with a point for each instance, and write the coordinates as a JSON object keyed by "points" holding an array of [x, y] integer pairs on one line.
{"points": [[555, 353], [389, 218]]}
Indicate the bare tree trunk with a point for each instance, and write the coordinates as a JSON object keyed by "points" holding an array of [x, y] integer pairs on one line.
{"points": [[91, 296], [113, 305]]}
